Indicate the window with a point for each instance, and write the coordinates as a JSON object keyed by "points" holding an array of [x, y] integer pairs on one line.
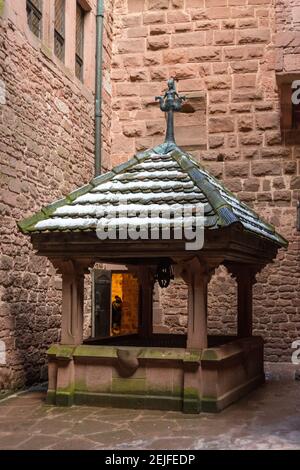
{"points": [[296, 111], [290, 112], [59, 29], [79, 42], [34, 16]]}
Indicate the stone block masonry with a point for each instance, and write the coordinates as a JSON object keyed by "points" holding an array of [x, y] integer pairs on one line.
{"points": [[47, 150], [225, 54], [226, 51]]}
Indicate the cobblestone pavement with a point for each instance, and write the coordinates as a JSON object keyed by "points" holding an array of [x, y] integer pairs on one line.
{"points": [[268, 418]]}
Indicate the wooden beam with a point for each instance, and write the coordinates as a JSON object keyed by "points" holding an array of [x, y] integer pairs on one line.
{"points": [[229, 243]]}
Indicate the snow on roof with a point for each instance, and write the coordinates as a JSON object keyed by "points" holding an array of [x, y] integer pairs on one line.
{"points": [[153, 181]]}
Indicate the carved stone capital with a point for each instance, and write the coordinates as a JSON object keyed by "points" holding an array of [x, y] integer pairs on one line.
{"points": [[195, 267], [71, 266], [243, 271]]}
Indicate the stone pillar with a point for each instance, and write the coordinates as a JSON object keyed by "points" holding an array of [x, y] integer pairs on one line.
{"points": [[61, 364], [245, 281], [245, 277], [72, 305], [72, 301], [196, 276]]}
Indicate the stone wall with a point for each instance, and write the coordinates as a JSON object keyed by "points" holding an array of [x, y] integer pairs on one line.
{"points": [[224, 52], [288, 37], [106, 84], [47, 150]]}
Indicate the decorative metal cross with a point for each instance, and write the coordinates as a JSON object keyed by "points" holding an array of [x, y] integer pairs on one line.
{"points": [[169, 103]]}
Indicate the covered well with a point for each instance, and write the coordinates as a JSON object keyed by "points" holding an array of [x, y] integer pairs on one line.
{"points": [[191, 372]]}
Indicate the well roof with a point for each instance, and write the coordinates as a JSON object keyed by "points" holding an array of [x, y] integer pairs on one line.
{"points": [[164, 177]]}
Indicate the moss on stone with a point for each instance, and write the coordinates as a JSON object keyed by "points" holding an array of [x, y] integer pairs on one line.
{"points": [[191, 392], [182, 160], [65, 352], [51, 208], [159, 392], [144, 353], [129, 386], [79, 192], [177, 391], [95, 351], [209, 405], [51, 397], [209, 355], [52, 351], [102, 178], [80, 385], [191, 406], [128, 401], [193, 356], [124, 166], [64, 398], [191, 400], [27, 225], [163, 403], [164, 354], [92, 399], [133, 401], [1, 7], [140, 156]]}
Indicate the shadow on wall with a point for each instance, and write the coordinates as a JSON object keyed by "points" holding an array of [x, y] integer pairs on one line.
{"points": [[32, 300]]}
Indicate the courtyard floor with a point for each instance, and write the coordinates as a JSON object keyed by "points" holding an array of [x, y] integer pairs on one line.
{"points": [[268, 418]]}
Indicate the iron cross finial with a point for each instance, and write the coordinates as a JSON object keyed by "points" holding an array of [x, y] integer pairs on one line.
{"points": [[169, 103]]}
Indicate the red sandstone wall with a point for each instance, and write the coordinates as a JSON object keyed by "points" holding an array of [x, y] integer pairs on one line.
{"points": [[106, 83], [288, 37], [224, 51], [47, 150]]}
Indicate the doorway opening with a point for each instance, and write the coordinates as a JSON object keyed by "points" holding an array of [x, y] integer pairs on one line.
{"points": [[116, 301]]}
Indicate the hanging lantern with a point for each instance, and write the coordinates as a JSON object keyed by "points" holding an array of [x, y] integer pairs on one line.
{"points": [[164, 274]]}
